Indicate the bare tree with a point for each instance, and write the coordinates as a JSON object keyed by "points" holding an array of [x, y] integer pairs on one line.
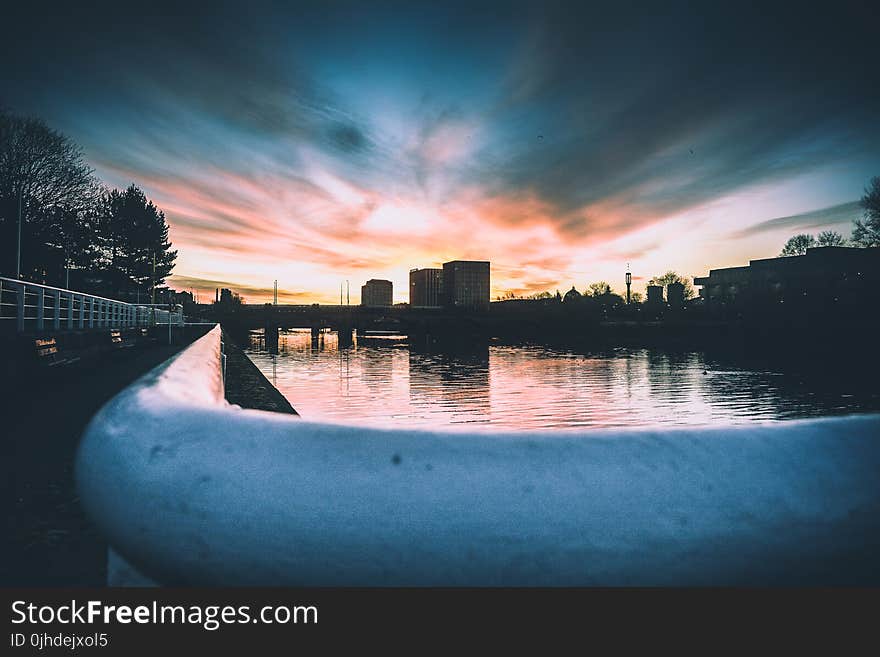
{"points": [[42, 172], [673, 277], [798, 245], [830, 238], [598, 289]]}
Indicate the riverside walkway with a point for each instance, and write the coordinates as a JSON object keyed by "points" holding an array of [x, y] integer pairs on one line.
{"points": [[50, 542]]}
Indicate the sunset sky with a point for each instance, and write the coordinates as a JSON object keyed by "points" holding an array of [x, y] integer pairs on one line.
{"points": [[314, 145]]}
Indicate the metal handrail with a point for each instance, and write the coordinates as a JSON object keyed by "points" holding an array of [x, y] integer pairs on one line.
{"points": [[189, 489], [71, 309]]}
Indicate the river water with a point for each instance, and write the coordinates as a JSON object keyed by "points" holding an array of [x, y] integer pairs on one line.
{"points": [[387, 382]]}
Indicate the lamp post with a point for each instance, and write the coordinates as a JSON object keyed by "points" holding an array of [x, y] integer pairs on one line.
{"points": [[18, 246], [629, 278]]}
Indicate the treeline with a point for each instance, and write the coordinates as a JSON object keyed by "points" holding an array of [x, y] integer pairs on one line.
{"points": [[865, 232], [59, 225], [602, 293]]}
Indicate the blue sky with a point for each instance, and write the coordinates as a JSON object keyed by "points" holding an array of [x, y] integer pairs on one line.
{"points": [[338, 141]]}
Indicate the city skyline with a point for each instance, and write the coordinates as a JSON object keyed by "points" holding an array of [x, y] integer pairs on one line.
{"points": [[285, 144]]}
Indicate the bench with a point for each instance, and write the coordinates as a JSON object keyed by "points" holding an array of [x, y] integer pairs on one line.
{"points": [[116, 340], [47, 353]]}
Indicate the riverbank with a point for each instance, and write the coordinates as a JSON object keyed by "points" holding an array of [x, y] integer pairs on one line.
{"points": [[245, 384]]}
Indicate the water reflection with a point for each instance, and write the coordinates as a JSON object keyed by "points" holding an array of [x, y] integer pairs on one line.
{"points": [[450, 384], [388, 381]]}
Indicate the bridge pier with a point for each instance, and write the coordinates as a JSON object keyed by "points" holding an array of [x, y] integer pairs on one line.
{"points": [[270, 329], [346, 339]]}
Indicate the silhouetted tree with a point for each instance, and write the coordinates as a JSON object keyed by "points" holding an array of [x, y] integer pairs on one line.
{"points": [[598, 289], [72, 235], [867, 230], [830, 238], [673, 277], [798, 245], [44, 172], [134, 236]]}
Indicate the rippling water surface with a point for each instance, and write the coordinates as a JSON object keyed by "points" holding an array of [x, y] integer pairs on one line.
{"points": [[388, 382]]}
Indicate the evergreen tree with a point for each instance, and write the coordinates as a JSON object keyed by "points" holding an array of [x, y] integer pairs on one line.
{"points": [[135, 244]]}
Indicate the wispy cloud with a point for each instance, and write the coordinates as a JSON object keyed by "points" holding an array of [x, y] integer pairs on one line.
{"points": [[329, 143], [841, 215]]}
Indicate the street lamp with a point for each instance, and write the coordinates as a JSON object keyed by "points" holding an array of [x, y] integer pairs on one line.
{"points": [[629, 278]]}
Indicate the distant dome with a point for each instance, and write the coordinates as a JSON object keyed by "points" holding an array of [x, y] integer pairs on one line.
{"points": [[571, 295]]}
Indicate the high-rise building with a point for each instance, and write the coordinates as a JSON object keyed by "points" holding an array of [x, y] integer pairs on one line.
{"points": [[655, 294], [425, 288], [466, 284], [377, 292]]}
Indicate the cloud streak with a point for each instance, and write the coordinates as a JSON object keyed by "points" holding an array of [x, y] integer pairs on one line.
{"points": [[840, 216], [552, 140]]}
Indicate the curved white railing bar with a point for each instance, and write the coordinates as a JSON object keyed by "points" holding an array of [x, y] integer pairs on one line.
{"points": [[191, 490], [41, 307]]}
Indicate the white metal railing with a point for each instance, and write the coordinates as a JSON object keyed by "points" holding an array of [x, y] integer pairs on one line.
{"points": [[189, 489], [32, 306]]}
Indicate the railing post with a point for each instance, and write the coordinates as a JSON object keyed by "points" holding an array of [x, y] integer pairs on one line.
{"points": [[41, 310], [91, 312], [20, 309], [56, 311], [82, 311], [70, 310]]}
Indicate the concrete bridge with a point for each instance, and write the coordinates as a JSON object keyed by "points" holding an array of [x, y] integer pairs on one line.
{"points": [[344, 319]]}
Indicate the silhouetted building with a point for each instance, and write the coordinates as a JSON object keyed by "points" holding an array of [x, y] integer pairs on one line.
{"points": [[655, 294], [466, 284], [675, 295], [831, 276], [425, 288], [571, 295], [377, 292], [225, 296]]}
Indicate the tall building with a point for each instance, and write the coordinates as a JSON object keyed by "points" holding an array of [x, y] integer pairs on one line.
{"points": [[425, 288], [466, 284], [675, 294], [377, 292], [655, 294]]}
